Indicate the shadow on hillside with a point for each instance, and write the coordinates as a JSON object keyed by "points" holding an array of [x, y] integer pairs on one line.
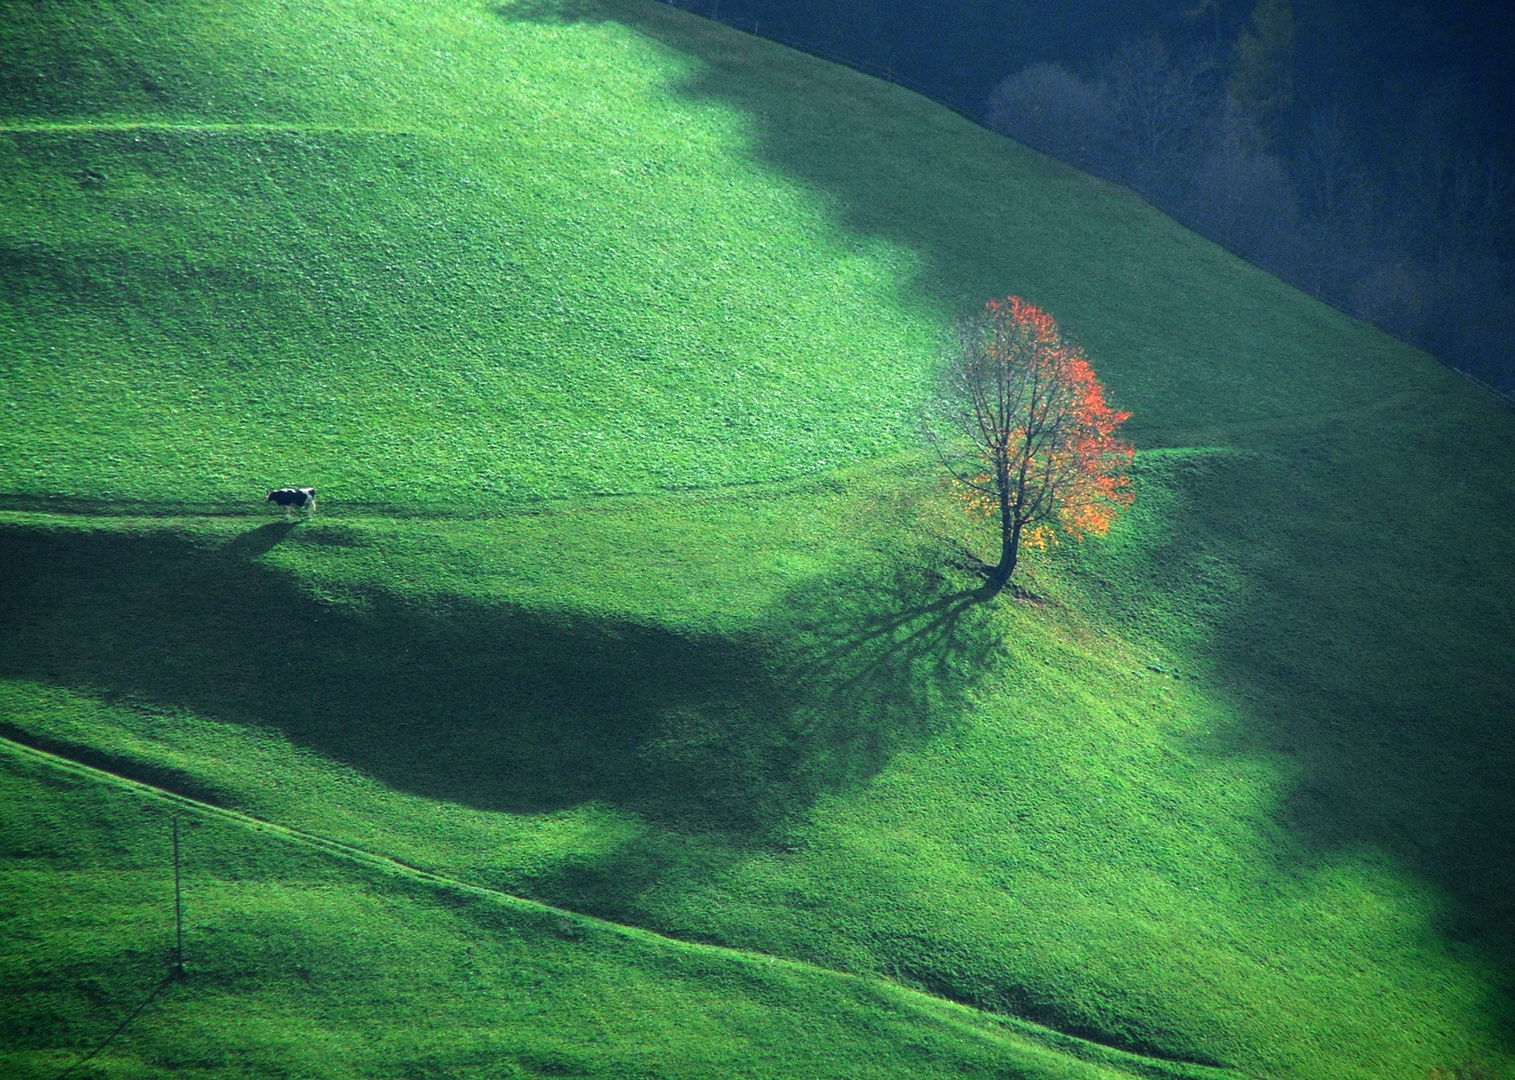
{"points": [[490, 705], [1374, 669]]}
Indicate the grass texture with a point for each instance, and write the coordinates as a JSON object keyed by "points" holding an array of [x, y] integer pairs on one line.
{"points": [[601, 329]]}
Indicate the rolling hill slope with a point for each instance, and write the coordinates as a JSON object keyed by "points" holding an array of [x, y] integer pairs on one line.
{"points": [[1229, 794]]}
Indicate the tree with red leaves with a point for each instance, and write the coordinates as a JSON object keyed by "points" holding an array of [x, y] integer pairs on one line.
{"points": [[1022, 425]]}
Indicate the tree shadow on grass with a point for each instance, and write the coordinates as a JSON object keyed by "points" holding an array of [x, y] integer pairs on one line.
{"points": [[491, 705]]}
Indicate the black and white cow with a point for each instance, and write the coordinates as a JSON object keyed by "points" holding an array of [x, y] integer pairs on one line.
{"points": [[294, 499]]}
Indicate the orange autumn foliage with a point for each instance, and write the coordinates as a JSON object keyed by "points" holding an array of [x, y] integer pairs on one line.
{"points": [[1032, 441]]}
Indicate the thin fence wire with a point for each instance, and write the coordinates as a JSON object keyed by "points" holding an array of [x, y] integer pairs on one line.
{"points": [[1503, 395]]}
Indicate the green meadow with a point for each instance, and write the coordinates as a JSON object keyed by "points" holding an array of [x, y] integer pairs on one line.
{"points": [[629, 707]]}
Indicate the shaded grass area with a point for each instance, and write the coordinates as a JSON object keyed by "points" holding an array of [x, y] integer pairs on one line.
{"points": [[302, 963], [488, 705], [1375, 661]]}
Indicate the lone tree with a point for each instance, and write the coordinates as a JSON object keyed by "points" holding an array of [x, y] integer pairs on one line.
{"points": [[1022, 425]]}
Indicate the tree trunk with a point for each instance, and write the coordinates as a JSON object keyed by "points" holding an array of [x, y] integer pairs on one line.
{"points": [[1010, 540]]}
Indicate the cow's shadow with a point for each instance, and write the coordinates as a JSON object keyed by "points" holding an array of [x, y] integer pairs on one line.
{"points": [[260, 541], [493, 705]]}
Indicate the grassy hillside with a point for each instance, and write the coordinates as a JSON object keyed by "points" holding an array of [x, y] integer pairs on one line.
{"points": [[328, 963], [1231, 791], [513, 247]]}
